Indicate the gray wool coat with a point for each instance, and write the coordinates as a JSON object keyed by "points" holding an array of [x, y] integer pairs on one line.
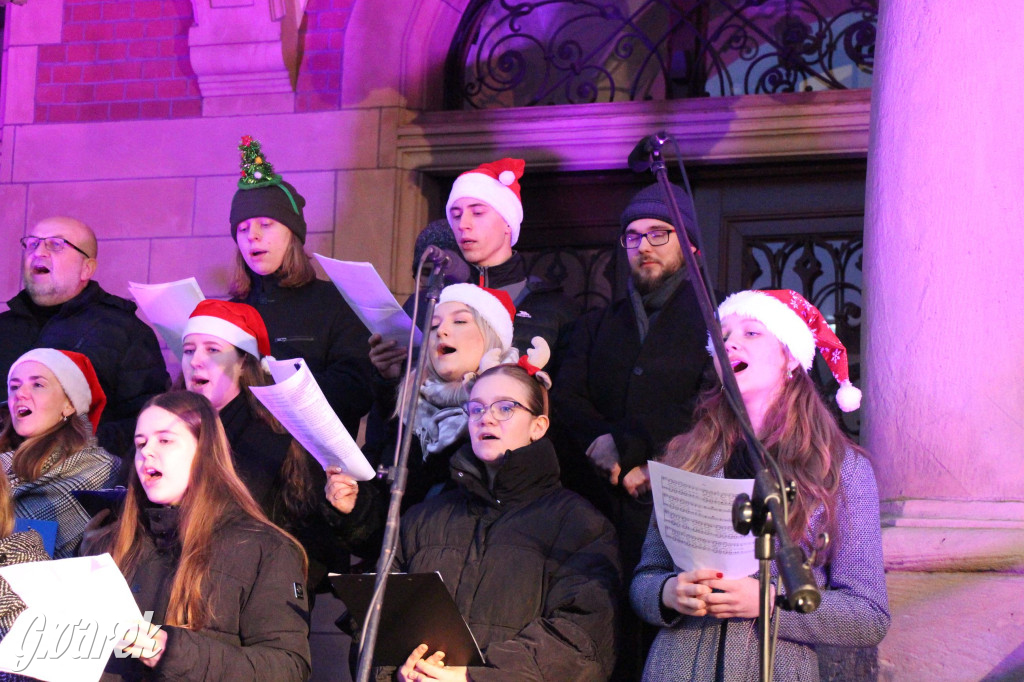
{"points": [[854, 610]]}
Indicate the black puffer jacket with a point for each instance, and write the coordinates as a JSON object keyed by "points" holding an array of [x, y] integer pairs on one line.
{"points": [[315, 323], [532, 567], [123, 350], [259, 453], [542, 308], [259, 612]]}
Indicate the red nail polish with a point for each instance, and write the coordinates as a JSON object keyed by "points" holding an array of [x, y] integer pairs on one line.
{"points": [[721, 575]]}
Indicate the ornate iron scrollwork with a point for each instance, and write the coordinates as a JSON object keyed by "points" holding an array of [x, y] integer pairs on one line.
{"points": [[508, 54], [826, 270]]}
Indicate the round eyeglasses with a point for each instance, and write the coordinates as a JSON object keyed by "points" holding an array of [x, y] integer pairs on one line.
{"points": [[631, 240], [502, 410]]}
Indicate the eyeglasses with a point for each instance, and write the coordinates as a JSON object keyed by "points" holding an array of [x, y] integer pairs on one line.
{"points": [[52, 244], [502, 410], [631, 240]]}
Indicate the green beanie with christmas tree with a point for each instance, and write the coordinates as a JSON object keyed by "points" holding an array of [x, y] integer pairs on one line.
{"points": [[262, 193]]}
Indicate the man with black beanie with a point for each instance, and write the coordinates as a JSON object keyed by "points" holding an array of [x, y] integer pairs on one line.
{"points": [[629, 382]]}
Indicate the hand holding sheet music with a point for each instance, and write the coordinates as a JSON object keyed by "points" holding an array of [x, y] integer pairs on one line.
{"points": [[298, 403], [77, 610], [694, 515]]}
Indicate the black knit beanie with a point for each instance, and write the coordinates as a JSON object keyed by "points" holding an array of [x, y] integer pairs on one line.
{"points": [[270, 201], [650, 202], [437, 233]]}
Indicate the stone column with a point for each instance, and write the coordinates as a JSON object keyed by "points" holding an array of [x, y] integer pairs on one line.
{"points": [[944, 346]]}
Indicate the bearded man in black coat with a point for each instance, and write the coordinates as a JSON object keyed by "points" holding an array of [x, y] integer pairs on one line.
{"points": [[630, 378]]}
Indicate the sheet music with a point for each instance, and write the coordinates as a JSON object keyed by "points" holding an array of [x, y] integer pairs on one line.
{"points": [[694, 515], [371, 299], [298, 403], [78, 609], [167, 307]]}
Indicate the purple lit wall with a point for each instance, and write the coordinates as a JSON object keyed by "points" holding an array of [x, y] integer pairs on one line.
{"points": [[944, 386], [126, 114]]}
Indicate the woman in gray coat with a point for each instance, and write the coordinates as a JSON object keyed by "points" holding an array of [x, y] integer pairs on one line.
{"points": [[709, 623]]}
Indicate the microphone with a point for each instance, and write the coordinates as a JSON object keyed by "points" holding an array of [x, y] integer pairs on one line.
{"points": [[454, 268], [640, 158]]}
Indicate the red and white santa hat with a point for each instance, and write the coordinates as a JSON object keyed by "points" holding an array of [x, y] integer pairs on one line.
{"points": [[801, 328], [494, 305], [77, 377], [496, 183], [237, 323]]}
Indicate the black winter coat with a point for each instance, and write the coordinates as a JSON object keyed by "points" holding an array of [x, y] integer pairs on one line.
{"points": [[258, 453], [315, 323], [532, 567], [542, 308], [123, 350], [259, 629], [642, 394]]}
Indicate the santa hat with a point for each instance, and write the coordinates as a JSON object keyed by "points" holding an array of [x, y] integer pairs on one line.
{"points": [[237, 323], [496, 183], [493, 305], [77, 377], [801, 328]]}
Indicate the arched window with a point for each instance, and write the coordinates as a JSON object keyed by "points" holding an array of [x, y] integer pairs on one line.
{"points": [[511, 54]]}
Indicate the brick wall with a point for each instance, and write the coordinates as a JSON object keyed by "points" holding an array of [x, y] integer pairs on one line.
{"points": [[118, 60], [319, 83], [129, 60]]}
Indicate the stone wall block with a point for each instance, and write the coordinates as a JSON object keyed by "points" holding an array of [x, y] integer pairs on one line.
{"points": [[119, 208]]}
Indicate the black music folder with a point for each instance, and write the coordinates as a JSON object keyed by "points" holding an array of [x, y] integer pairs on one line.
{"points": [[417, 609]]}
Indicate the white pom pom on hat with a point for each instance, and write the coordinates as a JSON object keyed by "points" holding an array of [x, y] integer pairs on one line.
{"points": [[497, 183], [801, 328]]}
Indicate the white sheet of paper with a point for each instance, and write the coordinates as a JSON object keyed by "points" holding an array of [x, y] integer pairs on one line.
{"points": [[299, 404], [77, 611], [371, 299], [167, 307], [694, 515]]}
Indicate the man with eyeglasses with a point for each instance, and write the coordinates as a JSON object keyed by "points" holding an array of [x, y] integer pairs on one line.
{"points": [[61, 307], [629, 382]]}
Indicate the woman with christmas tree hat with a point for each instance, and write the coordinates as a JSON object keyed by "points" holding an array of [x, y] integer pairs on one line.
{"points": [[305, 317]]}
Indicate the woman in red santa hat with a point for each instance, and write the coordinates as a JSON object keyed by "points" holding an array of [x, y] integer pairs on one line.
{"points": [[48, 448], [224, 346], [708, 622]]}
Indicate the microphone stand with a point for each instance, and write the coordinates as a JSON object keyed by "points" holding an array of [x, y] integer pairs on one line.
{"points": [[766, 512], [399, 473]]}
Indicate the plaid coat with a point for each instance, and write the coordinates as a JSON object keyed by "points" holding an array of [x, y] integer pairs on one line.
{"points": [[49, 498]]}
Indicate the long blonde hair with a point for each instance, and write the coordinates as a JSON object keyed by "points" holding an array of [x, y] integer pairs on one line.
{"points": [[798, 430], [453, 392], [215, 496]]}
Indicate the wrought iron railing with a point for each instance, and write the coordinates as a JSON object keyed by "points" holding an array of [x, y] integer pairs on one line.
{"points": [[509, 54], [826, 270]]}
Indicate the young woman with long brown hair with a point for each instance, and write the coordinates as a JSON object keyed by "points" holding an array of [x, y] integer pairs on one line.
{"points": [[708, 623], [223, 348], [225, 583], [47, 447]]}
